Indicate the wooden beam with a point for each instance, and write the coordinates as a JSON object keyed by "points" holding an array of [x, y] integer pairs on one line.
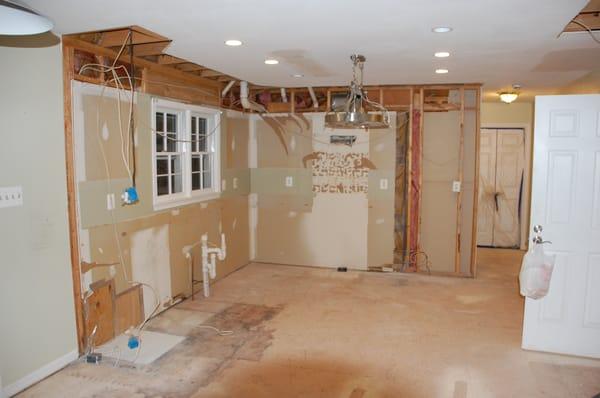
{"points": [[142, 50], [189, 67], [166, 59], [68, 58], [473, 265], [210, 73], [140, 62], [461, 151], [118, 37]]}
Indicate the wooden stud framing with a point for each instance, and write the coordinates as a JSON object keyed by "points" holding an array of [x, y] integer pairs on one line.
{"points": [[68, 56], [473, 264], [461, 150]]}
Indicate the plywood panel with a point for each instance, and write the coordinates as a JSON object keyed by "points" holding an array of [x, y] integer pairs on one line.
{"points": [[100, 312], [128, 309], [441, 142]]}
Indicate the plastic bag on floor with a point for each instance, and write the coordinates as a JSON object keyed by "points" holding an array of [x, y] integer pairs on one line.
{"points": [[536, 272]]}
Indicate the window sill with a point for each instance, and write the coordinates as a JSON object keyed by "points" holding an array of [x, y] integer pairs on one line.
{"points": [[180, 202]]}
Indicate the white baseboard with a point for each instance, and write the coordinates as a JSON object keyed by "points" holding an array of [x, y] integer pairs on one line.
{"points": [[39, 374]]}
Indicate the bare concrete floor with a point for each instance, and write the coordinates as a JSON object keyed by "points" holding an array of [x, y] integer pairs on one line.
{"points": [[307, 332]]}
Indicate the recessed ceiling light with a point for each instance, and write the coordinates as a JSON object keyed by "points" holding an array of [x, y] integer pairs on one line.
{"points": [[271, 61], [441, 71], [442, 29], [297, 75], [233, 43], [442, 54]]}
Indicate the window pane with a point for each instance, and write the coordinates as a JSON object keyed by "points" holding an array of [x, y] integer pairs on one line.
{"points": [[160, 121], [171, 123], [202, 138], [206, 163], [162, 165], [160, 147], [206, 181], [162, 185], [196, 162], [176, 185], [171, 142], [196, 181], [176, 164], [193, 124]]}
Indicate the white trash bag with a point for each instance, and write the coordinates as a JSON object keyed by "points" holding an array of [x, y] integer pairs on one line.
{"points": [[536, 272]]}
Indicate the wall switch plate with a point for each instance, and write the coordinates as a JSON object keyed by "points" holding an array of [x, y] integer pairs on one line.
{"points": [[383, 184], [289, 181], [235, 182], [223, 185], [110, 201], [11, 196], [455, 186]]}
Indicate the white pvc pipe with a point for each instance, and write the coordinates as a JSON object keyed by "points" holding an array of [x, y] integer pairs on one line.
{"points": [[313, 96], [283, 95], [244, 95], [227, 87]]}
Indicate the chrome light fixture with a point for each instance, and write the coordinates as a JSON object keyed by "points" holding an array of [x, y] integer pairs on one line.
{"points": [[18, 20], [352, 114]]}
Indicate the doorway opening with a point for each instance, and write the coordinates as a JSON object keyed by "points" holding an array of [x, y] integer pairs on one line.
{"points": [[503, 187]]}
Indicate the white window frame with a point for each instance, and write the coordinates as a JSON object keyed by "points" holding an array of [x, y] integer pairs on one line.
{"points": [[213, 131]]}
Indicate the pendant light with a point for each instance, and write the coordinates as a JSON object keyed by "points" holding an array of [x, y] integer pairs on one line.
{"points": [[18, 20]]}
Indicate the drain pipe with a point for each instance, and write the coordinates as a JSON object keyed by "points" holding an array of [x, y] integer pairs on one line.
{"points": [[227, 87], [313, 97], [245, 101], [283, 95]]}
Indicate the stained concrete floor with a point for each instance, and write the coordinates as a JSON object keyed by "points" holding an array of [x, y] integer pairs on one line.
{"points": [[308, 332]]}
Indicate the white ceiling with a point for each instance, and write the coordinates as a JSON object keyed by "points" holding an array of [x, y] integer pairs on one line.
{"points": [[494, 42]]}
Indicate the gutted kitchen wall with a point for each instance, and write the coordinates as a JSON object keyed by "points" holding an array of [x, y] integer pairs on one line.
{"points": [[152, 242], [37, 321], [337, 212]]}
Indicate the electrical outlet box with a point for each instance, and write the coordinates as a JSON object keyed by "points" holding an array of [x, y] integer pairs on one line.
{"points": [[289, 181], [11, 196], [383, 184], [455, 186]]}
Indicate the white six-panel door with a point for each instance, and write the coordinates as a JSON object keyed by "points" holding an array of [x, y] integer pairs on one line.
{"points": [[566, 202]]}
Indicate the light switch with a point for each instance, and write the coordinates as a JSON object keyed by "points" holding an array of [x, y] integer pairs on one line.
{"points": [[223, 185], [383, 184], [289, 181], [11, 196], [455, 186], [235, 182]]}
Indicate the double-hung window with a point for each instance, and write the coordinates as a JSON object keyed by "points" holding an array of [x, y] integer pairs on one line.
{"points": [[186, 167]]}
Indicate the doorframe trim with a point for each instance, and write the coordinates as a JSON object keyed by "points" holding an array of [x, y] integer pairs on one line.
{"points": [[526, 203]]}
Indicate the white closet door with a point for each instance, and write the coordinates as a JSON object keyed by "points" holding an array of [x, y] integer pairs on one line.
{"points": [[487, 188], [510, 158]]}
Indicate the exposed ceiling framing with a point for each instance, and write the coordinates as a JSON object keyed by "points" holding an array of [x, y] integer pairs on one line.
{"points": [[149, 46], [589, 16]]}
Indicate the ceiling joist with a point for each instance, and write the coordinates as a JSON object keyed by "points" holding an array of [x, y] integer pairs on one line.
{"points": [[149, 47]]}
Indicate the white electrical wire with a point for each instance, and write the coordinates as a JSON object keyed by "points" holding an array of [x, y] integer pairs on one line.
{"points": [[589, 30], [216, 330]]}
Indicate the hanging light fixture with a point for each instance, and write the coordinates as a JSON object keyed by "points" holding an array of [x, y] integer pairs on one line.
{"points": [[352, 114], [508, 97], [18, 20]]}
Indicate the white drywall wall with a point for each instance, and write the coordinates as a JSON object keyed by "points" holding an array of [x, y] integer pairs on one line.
{"points": [[37, 320]]}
